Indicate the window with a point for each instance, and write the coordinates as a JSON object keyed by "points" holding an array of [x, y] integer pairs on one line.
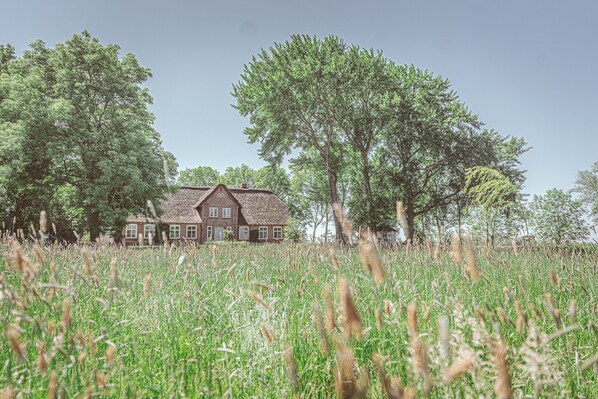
{"points": [[175, 231], [263, 233], [226, 213], [209, 233], [213, 212], [192, 232], [220, 195], [277, 234], [244, 233], [131, 231], [149, 229]]}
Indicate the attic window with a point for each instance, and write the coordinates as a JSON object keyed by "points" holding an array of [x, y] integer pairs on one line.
{"points": [[220, 195], [226, 213], [213, 212]]}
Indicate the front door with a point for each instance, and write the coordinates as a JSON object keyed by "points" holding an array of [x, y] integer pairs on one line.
{"points": [[218, 233]]}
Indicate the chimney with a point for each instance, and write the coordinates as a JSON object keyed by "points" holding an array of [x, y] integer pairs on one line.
{"points": [[244, 185]]}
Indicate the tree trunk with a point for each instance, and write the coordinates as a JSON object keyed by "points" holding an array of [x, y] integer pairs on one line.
{"points": [[410, 217], [93, 222], [332, 180], [368, 193], [326, 225]]}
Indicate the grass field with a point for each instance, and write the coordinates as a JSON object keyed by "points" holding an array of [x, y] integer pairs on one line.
{"points": [[274, 321]]}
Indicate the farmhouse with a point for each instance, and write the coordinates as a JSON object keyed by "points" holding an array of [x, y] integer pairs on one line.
{"points": [[200, 214]]}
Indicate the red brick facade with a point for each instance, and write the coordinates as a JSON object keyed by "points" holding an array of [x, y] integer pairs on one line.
{"points": [[252, 215]]}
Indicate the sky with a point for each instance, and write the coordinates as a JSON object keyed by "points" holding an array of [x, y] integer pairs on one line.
{"points": [[527, 68]]}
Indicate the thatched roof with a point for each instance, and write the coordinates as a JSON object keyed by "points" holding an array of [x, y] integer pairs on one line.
{"points": [[257, 206]]}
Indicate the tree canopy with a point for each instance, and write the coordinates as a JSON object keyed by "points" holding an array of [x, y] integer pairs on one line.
{"points": [[586, 186], [77, 116], [393, 132]]}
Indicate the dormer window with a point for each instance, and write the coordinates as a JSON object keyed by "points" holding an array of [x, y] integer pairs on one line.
{"points": [[213, 212]]}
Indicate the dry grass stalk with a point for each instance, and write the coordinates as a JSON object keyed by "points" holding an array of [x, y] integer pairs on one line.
{"points": [[256, 297], [324, 346], [291, 367], [502, 386], [42, 359], [444, 333], [590, 362], [572, 310], [459, 368], [335, 264], [313, 274], [14, 335], [346, 223], [147, 286], [101, 380], [429, 249], [330, 323], [393, 388], [88, 261], [420, 360], [456, 253], [521, 318], [387, 308], [515, 247], [53, 386], [67, 316], [110, 354], [270, 338], [7, 392], [378, 319], [39, 255], [344, 374], [470, 260], [371, 261], [351, 321]]}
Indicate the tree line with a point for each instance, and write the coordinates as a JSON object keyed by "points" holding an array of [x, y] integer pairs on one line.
{"points": [[77, 140]]}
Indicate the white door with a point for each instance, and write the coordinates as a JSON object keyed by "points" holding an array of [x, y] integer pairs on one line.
{"points": [[218, 233]]}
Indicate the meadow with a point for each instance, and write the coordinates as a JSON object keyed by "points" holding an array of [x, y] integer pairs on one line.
{"points": [[297, 320]]}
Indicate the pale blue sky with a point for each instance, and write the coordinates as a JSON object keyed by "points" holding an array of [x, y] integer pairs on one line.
{"points": [[527, 68]]}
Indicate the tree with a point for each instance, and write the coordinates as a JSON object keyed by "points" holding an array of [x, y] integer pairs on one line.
{"points": [[586, 186], [291, 94], [557, 217], [200, 176], [82, 123], [234, 177], [275, 179]]}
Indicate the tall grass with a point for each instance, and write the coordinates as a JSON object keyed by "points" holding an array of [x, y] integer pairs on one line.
{"points": [[296, 321]]}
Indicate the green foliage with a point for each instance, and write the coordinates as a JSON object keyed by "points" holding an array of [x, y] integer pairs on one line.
{"points": [[294, 231], [234, 177], [586, 186], [389, 132], [77, 117], [490, 188], [229, 235], [558, 218], [199, 176]]}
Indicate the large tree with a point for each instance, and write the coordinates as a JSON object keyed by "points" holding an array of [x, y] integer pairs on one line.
{"points": [[79, 114], [199, 176], [292, 94], [557, 217], [586, 186]]}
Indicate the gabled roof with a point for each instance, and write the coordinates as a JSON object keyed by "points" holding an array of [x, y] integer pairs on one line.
{"points": [[208, 193], [257, 207]]}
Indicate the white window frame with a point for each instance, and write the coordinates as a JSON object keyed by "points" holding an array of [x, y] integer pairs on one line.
{"points": [[192, 228], [214, 212], [209, 234], [277, 229], [146, 231], [178, 230], [226, 213], [260, 233], [129, 229], [241, 235]]}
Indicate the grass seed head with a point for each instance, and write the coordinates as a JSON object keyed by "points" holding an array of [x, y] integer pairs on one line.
{"points": [[344, 373], [459, 368], [351, 320]]}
